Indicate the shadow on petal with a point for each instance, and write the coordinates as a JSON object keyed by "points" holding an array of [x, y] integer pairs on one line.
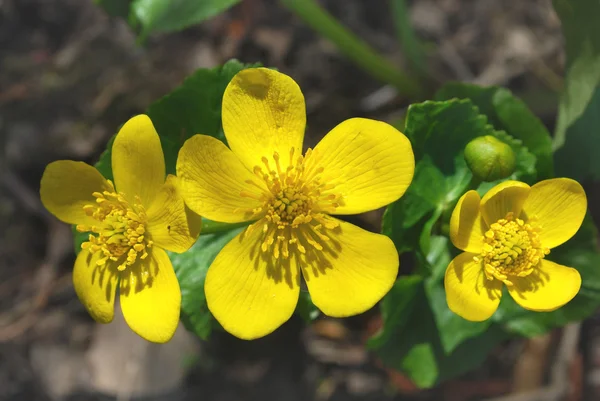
{"points": [[353, 270], [547, 288]]}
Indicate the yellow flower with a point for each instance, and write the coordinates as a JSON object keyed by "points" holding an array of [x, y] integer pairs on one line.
{"points": [[506, 236], [253, 285], [130, 226]]}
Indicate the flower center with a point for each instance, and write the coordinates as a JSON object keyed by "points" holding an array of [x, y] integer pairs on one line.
{"points": [[119, 234], [511, 248], [294, 206]]}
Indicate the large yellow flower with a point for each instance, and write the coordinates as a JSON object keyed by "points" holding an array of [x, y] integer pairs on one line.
{"points": [[506, 236], [130, 223], [253, 285]]}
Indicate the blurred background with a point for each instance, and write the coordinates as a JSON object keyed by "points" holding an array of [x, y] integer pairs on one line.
{"points": [[70, 75]]}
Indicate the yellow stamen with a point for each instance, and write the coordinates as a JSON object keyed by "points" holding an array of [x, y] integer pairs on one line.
{"points": [[120, 232], [294, 204], [511, 248]]}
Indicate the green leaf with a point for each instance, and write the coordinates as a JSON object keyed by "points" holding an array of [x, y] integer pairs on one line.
{"points": [[192, 108], [453, 329], [582, 41], [306, 309], [422, 204], [443, 129], [507, 113], [519, 122], [470, 354], [438, 256], [578, 157], [438, 131], [191, 268], [396, 308], [405, 239], [174, 15], [428, 228], [426, 192], [459, 182], [410, 342]]}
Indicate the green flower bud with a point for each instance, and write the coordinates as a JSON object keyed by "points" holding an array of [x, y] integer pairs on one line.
{"points": [[489, 158]]}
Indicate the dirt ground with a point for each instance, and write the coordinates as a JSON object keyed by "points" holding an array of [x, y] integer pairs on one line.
{"points": [[70, 75]]}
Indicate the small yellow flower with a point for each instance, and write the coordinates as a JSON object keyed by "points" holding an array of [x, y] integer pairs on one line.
{"points": [[130, 223], [506, 236], [253, 285]]}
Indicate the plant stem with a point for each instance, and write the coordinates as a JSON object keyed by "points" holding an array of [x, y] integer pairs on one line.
{"points": [[353, 47], [211, 227], [406, 36]]}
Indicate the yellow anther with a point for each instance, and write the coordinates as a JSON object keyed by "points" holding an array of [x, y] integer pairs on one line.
{"points": [[119, 232], [82, 228], [511, 248], [293, 203]]}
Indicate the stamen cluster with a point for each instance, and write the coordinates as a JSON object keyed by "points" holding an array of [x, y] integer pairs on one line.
{"points": [[511, 248], [295, 204], [120, 232]]}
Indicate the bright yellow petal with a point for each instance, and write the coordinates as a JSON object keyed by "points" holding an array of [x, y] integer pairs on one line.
{"points": [[549, 287], [263, 112], [67, 186], [249, 292], [352, 273], [138, 163], [95, 286], [466, 225], [212, 179], [468, 292], [171, 224], [505, 197], [150, 297], [369, 163], [559, 205]]}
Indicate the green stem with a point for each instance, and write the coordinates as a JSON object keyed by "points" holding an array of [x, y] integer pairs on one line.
{"points": [[406, 35], [211, 227], [353, 47]]}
